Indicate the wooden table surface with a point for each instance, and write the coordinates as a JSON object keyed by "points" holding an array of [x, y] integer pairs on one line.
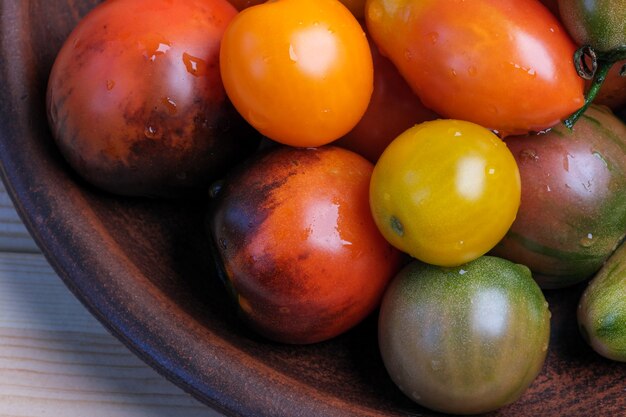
{"points": [[55, 358]]}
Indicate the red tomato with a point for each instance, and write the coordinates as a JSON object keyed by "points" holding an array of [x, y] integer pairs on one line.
{"points": [[298, 243], [393, 108], [300, 71], [504, 64], [135, 99]]}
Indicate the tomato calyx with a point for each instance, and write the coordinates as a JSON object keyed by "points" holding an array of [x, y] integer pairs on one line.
{"points": [[594, 65]]}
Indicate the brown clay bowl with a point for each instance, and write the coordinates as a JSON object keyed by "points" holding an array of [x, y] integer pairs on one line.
{"points": [[142, 267]]}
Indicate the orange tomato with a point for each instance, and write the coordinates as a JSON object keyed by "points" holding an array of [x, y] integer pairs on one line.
{"points": [[299, 71]]}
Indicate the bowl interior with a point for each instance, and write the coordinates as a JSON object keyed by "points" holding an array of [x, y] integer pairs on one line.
{"points": [[142, 267]]}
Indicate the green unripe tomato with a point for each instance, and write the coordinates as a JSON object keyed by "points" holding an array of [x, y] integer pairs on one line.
{"points": [[602, 308], [600, 24], [464, 340]]}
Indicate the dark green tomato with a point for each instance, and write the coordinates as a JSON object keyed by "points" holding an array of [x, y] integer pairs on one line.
{"points": [[464, 340], [602, 309], [600, 24], [573, 206]]}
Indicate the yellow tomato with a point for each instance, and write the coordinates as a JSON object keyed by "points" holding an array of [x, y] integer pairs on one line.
{"points": [[445, 191]]}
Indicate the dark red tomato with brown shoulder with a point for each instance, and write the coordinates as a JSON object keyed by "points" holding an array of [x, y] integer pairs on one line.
{"points": [[298, 245], [503, 64], [135, 99]]}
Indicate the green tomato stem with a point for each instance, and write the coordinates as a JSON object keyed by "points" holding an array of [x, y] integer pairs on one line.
{"points": [[601, 63]]}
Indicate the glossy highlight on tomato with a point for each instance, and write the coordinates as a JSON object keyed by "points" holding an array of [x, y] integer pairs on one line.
{"points": [[298, 245], [504, 64], [299, 71], [445, 191], [136, 103]]}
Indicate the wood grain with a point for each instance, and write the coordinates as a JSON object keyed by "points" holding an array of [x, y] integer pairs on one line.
{"points": [[55, 358]]}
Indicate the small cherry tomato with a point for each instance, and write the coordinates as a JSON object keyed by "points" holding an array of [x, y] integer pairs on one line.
{"points": [[300, 71], [504, 64], [445, 191], [300, 250], [464, 340]]}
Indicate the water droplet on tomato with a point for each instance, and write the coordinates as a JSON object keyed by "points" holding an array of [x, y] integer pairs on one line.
{"points": [[472, 71], [292, 54], [195, 66], [170, 104], [154, 46], [529, 155], [408, 55], [151, 132], [587, 241], [434, 37], [110, 85]]}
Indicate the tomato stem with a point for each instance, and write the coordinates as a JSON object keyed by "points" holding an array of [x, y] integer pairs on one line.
{"points": [[592, 65]]}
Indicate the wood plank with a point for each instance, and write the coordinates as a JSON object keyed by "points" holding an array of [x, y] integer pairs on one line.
{"points": [[55, 358], [13, 234]]}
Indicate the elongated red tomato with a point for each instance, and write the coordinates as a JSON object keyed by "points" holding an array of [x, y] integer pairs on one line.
{"points": [[504, 64]]}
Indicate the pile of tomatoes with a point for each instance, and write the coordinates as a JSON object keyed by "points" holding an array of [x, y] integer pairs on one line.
{"points": [[372, 153]]}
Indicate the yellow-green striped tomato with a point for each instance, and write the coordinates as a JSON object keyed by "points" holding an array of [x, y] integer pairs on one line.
{"points": [[445, 191], [464, 340], [602, 308]]}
